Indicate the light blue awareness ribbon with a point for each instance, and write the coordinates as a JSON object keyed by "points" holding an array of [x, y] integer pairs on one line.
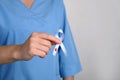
{"points": [[60, 36]]}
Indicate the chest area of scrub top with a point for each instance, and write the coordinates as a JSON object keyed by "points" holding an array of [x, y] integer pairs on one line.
{"points": [[19, 18]]}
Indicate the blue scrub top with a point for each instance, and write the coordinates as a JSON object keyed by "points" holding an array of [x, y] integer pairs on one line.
{"points": [[17, 22]]}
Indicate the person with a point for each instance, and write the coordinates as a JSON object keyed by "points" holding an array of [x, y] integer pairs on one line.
{"points": [[28, 30]]}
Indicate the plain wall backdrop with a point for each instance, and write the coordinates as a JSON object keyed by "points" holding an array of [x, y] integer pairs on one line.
{"points": [[96, 29]]}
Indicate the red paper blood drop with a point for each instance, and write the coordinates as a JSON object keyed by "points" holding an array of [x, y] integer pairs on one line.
{"points": [[55, 49]]}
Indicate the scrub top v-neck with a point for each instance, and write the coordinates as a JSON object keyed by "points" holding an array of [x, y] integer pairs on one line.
{"points": [[17, 22]]}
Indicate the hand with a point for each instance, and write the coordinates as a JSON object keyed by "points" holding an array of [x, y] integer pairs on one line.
{"points": [[38, 44], [69, 78]]}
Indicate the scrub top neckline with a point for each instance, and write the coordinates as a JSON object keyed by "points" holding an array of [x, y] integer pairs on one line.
{"points": [[28, 12], [24, 6]]}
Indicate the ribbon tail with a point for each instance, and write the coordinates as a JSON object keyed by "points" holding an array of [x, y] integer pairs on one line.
{"points": [[60, 36], [63, 48]]}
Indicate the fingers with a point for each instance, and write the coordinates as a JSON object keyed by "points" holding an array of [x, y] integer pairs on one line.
{"points": [[45, 42], [42, 48], [40, 53], [39, 47], [38, 44], [42, 42], [47, 37]]}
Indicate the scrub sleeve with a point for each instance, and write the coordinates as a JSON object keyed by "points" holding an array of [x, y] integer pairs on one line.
{"points": [[70, 64]]}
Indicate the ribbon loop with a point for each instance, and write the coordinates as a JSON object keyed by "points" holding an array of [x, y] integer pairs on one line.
{"points": [[60, 36]]}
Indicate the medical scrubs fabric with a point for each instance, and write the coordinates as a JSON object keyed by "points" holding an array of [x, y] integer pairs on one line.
{"points": [[17, 22]]}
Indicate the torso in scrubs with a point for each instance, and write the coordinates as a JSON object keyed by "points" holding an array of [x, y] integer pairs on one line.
{"points": [[17, 22]]}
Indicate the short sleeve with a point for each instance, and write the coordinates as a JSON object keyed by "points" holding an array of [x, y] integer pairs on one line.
{"points": [[70, 64]]}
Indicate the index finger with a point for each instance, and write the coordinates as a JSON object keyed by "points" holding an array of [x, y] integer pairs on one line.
{"points": [[50, 38]]}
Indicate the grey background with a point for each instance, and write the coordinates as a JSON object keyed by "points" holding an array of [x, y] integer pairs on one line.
{"points": [[96, 29]]}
